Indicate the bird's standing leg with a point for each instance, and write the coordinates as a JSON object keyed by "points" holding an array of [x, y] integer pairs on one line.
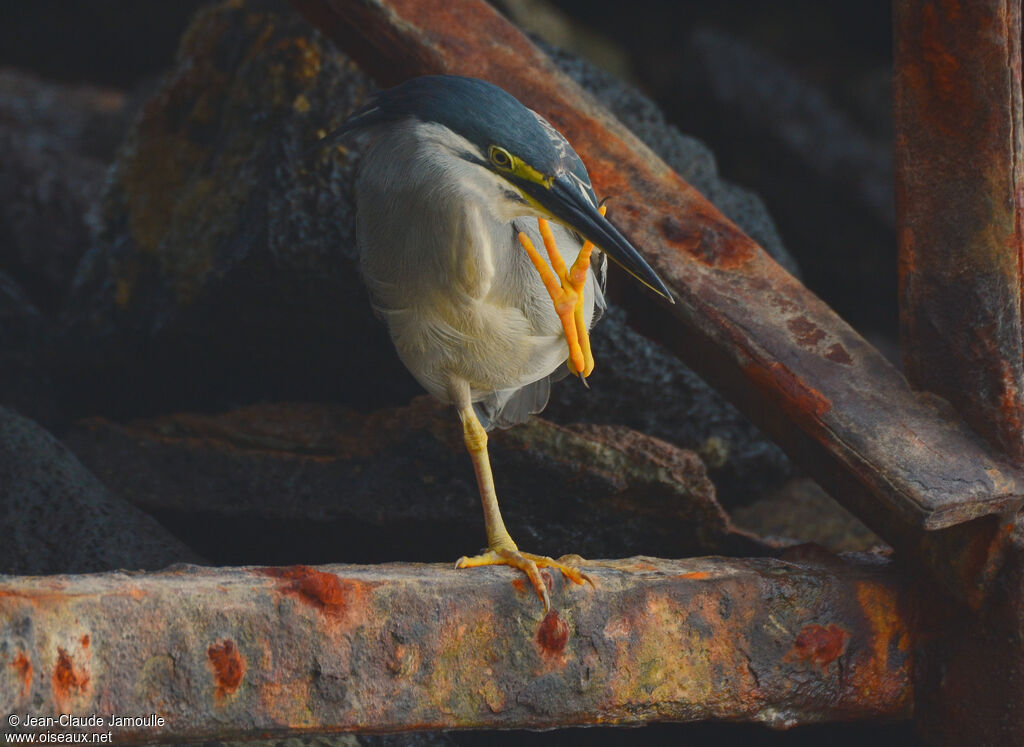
{"points": [[565, 286], [501, 550]]}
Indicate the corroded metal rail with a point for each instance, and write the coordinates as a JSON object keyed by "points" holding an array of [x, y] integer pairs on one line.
{"points": [[904, 462], [959, 177], [241, 652], [959, 186]]}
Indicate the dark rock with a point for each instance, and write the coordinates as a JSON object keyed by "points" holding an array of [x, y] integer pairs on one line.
{"points": [[21, 323], [317, 483], [830, 183], [802, 511], [112, 41], [56, 517], [25, 336], [57, 141], [227, 271], [47, 115]]}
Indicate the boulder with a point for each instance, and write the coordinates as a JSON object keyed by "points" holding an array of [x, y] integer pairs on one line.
{"points": [[57, 142], [56, 517]]}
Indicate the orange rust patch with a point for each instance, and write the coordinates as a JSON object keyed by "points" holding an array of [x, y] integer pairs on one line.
{"points": [[697, 575], [806, 333], [23, 666], [884, 668], [518, 585], [325, 591], [821, 645], [67, 678], [553, 633], [85, 641], [798, 399], [837, 354], [228, 666]]}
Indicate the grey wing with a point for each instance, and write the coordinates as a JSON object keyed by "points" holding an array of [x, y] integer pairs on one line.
{"points": [[514, 406]]}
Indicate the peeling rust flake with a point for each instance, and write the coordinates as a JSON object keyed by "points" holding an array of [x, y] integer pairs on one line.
{"points": [[23, 666], [228, 667], [553, 633], [68, 679], [321, 590], [820, 644], [837, 354], [806, 333]]}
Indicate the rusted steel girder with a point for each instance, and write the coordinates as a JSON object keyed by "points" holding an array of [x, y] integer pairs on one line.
{"points": [[241, 652], [959, 190], [903, 462]]}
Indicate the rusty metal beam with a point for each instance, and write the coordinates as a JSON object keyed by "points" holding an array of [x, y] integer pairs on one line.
{"points": [[903, 462], [969, 668], [959, 189], [240, 652]]}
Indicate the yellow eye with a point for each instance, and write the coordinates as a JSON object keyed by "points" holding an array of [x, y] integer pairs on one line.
{"points": [[500, 157]]}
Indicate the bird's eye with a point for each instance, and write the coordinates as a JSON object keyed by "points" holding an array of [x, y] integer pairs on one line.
{"points": [[501, 157]]}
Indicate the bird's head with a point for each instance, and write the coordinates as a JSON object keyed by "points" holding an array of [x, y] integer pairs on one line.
{"points": [[517, 145]]}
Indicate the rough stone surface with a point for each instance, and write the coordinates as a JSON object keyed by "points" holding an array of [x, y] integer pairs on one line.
{"points": [[55, 517], [26, 335], [802, 511], [312, 483], [227, 270], [831, 182], [227, 267], [57, 141]]}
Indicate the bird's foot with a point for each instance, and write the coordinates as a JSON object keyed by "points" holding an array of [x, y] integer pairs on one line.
{"points": [[565, 285], [529, 564]]}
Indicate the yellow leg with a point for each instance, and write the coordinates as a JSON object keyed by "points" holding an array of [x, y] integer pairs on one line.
{"points": [[501, 550], [566, 286]]}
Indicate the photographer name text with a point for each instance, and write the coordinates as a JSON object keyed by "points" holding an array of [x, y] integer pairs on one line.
{"points": [[92, 721]]}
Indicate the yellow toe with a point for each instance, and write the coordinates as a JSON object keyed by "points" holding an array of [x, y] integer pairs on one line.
{"points": [[529, 564]]}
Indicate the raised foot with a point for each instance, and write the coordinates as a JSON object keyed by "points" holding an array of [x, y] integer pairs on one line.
{"points": [[529, 564], [566, 285]]}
